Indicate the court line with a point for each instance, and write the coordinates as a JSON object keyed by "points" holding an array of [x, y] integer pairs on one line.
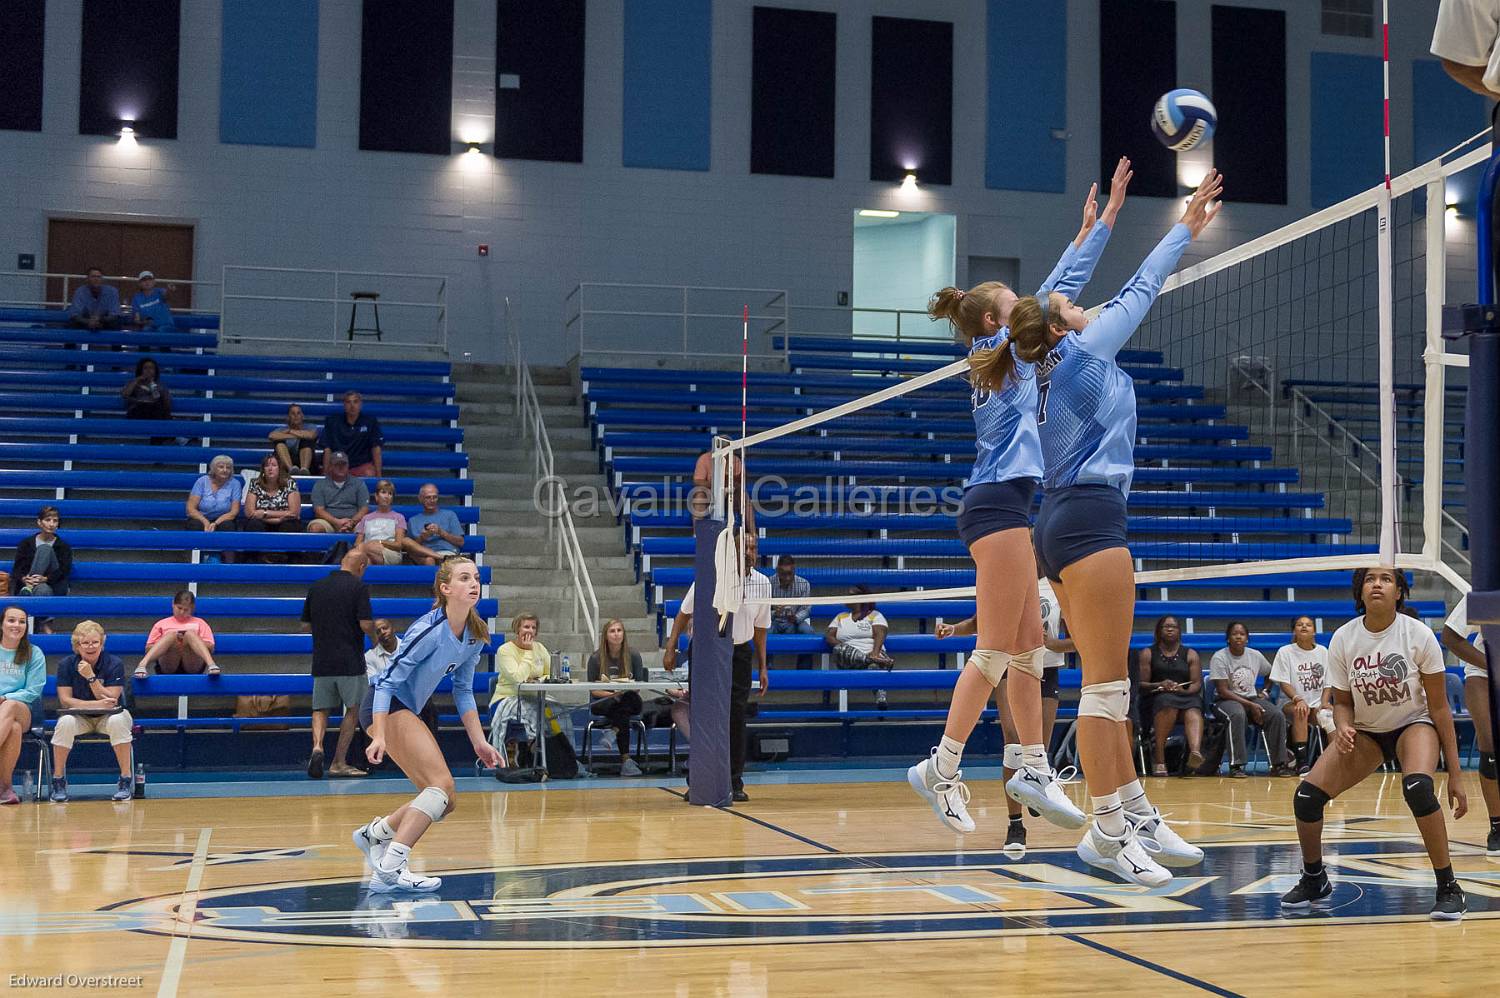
{"points": [[763, 823], [1141, 962], [171, 972]]}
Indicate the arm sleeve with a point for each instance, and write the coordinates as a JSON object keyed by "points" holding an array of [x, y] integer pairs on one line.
{"points": [[1338, 665], [21, 566], [638, 668], [205, 632], [35, 681], [593, 667], [377, 435], [687, 601], [363, 611], [1218, 668], [463, 684], [1118, 320], [1426, 650], [508, 663], [63, 565], [76, 309], [406, 660], [1081, 269], [1281, 669], [1465, 32], [805, 589], [1064, 262]]}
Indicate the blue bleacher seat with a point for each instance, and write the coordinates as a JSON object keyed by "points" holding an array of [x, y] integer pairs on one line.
{"points": [[108, 360], [183, 384], [652, 520], [952, 547], [12, 427], [659, 494], [928, 346], [187, 540], [180, 573], [181, 481], [935, 470], [189, 405], [956, 610], [211, 607], [160, 509], [148, 454], [57, 331]]}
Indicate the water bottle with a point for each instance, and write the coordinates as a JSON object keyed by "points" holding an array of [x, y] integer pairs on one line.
{"points": [[140, 781], [567, 672], [26, 785]]}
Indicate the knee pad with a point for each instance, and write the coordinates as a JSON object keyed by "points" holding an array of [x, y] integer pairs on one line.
{"points": [[433, 803], [1308, 802], [1110, 701], [1029, 662], [1487, 765], [1417, 789], [1013, 756], [1325, 720], [990, 663]]}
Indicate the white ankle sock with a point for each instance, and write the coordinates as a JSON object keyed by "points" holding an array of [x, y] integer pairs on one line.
{"points": [[1014, 758], [380, 830], [1035, 756], [1109, 813], [395, 857], [1133, 796], [950, 753]]}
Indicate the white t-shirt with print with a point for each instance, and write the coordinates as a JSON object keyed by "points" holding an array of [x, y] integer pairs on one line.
{"points": [[1383, 672], [1467, 33], [1051, 623], [858, 633], [1242, 672], [1304, 669], [1458, 621]]}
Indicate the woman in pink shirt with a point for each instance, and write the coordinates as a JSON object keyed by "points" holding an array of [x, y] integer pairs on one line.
{"points": [[181, 643]]}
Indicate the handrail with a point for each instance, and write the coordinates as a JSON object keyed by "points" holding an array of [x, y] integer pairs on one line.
{"points": [[67, 280], [700, 326], [251, 320], [534, 429]]}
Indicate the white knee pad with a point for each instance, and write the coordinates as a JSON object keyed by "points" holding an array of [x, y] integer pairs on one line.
{"points": [[1014, 757], [1029, 662], [433, 803], [990, 663], [1325, 720], [1110, 701]]}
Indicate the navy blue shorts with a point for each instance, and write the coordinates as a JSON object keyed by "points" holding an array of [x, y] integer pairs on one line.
{"points": [[991, 507], [1049, 683], [1076, 522], [367, 708]]}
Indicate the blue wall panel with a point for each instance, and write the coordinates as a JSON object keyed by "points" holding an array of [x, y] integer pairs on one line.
{"points": [[667, 83], [1027, 96], [1445, 113], [1347, 147], [268, 84]]}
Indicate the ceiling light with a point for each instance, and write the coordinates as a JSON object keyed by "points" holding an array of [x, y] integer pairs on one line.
{"points": [[878, 213]]}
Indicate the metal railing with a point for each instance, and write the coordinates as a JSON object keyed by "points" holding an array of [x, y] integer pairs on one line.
{"points": [[283, 305], [559, 517], [710, 319], [71, 281]]}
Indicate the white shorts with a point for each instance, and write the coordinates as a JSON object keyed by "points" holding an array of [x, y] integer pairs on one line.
{"points": [[69, 726]]}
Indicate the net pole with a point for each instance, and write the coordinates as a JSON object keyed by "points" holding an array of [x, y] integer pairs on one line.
{"points": [[1387, 306], [1433, 403], [1482, 454], [744, 420]]}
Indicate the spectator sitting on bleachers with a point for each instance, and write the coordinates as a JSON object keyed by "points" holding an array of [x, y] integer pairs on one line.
{"points": [[44, 560], [96, 305], [146, 397], [791, 618], [357, 434], [90, 693], [522, 659], [1172, 677], [295, 434], [181, 643], [857, 637], [273, 503], [1234, 671], [23, 675], [1300, 668], [148, 306], [340, 500], [436, 529], [214, 502], [612, 660], [378, 658], [382, 532]]}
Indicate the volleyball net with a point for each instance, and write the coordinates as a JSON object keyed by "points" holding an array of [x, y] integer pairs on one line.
{"points": [[1273, 438]]}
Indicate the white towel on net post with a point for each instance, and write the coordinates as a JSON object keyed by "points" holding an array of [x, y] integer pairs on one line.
{"points": [[729, 574]]}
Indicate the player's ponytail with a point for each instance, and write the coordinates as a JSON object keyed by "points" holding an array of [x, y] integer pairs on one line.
{"points": [[476, 626], [992, 367], [965, 310]]}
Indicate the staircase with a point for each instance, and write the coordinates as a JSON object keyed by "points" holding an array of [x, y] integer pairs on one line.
{"points": [[525, 572]]}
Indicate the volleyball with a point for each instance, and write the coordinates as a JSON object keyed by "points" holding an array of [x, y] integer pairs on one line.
{"points": [[1183, 118]]}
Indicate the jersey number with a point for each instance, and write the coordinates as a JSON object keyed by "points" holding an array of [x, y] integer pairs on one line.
{"points": [[1041, 401]]}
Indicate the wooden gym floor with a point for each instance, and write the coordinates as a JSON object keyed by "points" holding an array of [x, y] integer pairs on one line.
{"points": [[818, 886]]}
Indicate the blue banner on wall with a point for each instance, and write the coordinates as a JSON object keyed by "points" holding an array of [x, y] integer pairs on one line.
{"points": [[268, 83]]}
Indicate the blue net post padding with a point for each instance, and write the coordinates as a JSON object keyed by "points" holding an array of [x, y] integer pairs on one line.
{"points": [[709, 680]]}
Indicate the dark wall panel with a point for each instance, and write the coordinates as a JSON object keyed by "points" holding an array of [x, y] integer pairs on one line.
{"points": [[22, 30], [1137, 64], [541, 43], [792, 80], [911, 99], [1249, 60], [406, 76], [130, 69]]}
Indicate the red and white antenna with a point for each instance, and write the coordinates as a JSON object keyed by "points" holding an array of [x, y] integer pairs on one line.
{"points": [[1383, 256]]}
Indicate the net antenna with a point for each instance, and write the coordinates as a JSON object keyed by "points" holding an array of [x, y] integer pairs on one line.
{"points": [[729, 563], [1387, 308]]}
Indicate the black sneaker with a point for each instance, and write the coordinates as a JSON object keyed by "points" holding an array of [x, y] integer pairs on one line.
{"points": [[1307, 894], [1450, 904], [1492, 844], [1238, 773], [740, 796], [315, 765], [59, 794], [1015, 839]]}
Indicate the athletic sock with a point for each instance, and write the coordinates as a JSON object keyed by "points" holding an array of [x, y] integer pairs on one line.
{"points": [[1299, 749], [1109, 814], [950, 753], [380, 830], [1495, 824], [1314, 870], [1133, 796], [1445, 875], [395, 857], [1017, 821], [1035, 756]]}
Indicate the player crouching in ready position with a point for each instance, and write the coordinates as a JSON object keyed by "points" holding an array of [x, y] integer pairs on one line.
{"points": [[446, 641], [1386, 673]]}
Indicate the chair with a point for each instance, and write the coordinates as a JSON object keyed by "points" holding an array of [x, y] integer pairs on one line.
{"points": [[1254, 733], [38, 732], [35, 740], [373, 297], [636, 724]]}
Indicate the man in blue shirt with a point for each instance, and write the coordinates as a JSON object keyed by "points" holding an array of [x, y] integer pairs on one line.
{"points": [[357, 435], [96, 305], [435, 529], [149, 305]]}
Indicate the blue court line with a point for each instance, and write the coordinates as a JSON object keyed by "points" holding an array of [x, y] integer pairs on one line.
{"points": [[1140, 962], [764, 824]]}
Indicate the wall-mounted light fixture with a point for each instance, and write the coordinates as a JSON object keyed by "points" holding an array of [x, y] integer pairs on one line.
{"points": [[910, 182], [878, 213]]}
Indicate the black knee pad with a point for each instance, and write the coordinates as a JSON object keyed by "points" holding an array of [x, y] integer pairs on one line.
{"points": [[1487, 765], [1417, 789], [1308, 802]]}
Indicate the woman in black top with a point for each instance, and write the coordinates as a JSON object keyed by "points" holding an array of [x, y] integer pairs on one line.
{"points": [[1172, 676], [615, 660], [146, 397]]}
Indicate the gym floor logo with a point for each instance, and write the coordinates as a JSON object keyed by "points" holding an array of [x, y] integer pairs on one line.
{"points": [[779, 899]]}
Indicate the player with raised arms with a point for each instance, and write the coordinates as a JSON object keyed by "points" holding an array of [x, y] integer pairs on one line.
{"points": [[994, 521], [446, 641], [1456, 637], [1390, 702], [1086, 419]]}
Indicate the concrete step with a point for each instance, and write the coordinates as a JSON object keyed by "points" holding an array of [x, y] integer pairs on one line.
{"points": [[606, 540], [500, 391]]}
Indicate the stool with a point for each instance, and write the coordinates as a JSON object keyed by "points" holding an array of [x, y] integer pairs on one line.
{"points": [[373, 297]]}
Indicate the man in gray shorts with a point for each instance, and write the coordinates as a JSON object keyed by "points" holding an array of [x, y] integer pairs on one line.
{"points": [[337, 612]]}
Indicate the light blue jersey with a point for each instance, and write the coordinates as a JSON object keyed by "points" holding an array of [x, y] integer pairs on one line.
{"points": [[428, 651], [1005, 433], [1085, 403]]}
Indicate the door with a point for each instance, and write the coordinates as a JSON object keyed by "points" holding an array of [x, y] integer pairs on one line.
{"points": [[121, 248]]}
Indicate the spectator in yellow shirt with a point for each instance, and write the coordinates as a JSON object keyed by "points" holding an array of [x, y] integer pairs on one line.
{"points": [[522, 659]]}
